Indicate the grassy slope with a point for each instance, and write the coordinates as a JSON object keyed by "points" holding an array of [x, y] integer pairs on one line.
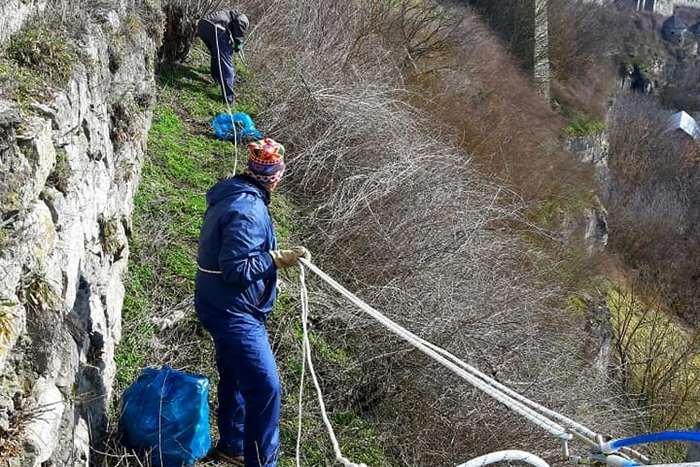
{"points": [[183, 162]]}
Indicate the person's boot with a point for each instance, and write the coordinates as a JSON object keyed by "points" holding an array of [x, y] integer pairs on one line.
{"points": [[220, 456]]}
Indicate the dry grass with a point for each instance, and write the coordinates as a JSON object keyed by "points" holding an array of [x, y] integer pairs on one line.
{"points": [[501, 121], [659, 361]]}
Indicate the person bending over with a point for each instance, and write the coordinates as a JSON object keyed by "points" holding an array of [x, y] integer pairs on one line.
{"points": [[223, 33]]}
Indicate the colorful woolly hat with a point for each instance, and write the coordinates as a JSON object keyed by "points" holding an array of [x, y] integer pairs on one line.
{"points": [[266, 161]]}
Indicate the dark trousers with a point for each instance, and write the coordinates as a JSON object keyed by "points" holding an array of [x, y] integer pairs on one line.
{"points": [[249, 392], [221, 68]]}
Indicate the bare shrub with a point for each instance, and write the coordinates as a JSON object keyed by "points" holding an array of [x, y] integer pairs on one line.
{"points": [[508, 129], [684, 92], [395, 209], [181, 17], [583, 35], [657, 358], [653, 200], [420, 29]]}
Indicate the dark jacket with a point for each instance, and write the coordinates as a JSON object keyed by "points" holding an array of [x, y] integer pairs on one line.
{"points": [[228, 20], [236, 238]]}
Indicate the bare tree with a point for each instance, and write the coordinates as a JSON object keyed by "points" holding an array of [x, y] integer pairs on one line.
{"points": [[181, 17]]}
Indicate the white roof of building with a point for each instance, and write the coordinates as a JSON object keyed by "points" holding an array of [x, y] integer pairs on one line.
{"points": [[686, 123]]}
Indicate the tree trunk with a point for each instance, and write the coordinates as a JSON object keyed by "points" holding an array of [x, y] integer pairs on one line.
{"points": [[180, 33]]}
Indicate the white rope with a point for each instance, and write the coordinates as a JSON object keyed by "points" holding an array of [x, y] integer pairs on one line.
{"points": [[538, 419], [307, 354], [301, 402], [581, 432], [304, 309], [532, 411], [510, 455]]}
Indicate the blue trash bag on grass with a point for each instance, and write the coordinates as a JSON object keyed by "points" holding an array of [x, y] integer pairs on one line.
{"points": [[167, 412], [223, 126]]}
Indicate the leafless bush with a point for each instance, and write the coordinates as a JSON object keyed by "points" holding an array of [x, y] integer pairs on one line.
{"points": [[181, 17], [420, 29], [657, 358], [395, 210], [684, 92], [508, 129], [653, 200], [583, 35]]}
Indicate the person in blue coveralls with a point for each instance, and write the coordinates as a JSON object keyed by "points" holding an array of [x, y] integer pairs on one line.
{"points": [[235, 290], [223, 33]]}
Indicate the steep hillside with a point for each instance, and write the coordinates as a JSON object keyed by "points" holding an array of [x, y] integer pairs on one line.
{"points": [[394, 207], [388, 201], [424, 171], [647, 185]]}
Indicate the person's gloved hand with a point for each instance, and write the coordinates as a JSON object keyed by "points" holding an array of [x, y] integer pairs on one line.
{"points": [[287, 258]]}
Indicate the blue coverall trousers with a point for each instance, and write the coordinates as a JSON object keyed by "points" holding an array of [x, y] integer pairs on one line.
{"points": [[221, 69], [249, 391]]}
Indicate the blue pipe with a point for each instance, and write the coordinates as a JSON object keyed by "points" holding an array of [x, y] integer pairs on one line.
{"points": [[687, 436]]}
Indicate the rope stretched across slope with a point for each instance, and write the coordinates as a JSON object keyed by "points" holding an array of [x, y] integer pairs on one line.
{"points": [[477, 379], [541, 416]]}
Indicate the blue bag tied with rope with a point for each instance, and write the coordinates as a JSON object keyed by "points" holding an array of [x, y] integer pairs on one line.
{"points": [[224, 125], [167, 412]]}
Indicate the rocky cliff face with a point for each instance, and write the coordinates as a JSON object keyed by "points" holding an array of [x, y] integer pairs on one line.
{"points": [[13, 14], [594, 149], [69, 167]]}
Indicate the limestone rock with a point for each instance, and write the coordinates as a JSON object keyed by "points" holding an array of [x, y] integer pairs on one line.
{"points": [[65, 202], [595, 150], [597, 229], [13, 14], [42, 430]]}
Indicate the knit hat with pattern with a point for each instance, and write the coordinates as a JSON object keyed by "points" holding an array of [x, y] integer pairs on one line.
{"points": [[266, 161]]}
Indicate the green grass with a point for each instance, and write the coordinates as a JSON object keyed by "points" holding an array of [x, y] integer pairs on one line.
{"points": [[584, 125], [183, 162], [37, 60]]}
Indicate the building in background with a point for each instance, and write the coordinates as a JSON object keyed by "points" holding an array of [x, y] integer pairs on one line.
{"points": [[662, 7], [683, 123]]}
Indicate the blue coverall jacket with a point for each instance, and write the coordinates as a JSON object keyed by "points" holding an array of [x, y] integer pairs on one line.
{"points": [[235, 291]]}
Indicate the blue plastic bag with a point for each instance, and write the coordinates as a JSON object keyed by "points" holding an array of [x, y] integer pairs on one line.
{"points": [[167, 412], [223, 125]]}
